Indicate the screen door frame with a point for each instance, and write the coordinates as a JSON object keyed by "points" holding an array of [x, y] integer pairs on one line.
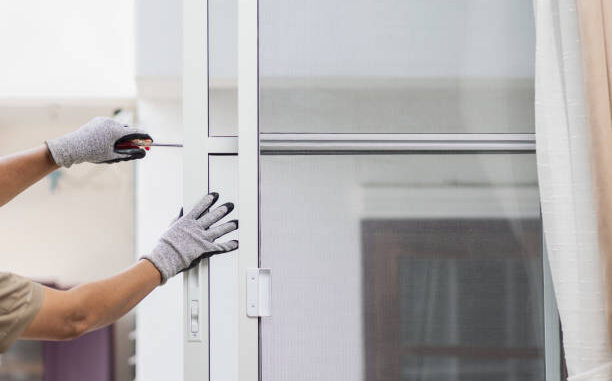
{"points": [[199, 150], [244, 352]]}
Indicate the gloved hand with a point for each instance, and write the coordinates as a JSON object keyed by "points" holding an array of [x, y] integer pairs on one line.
{"points": [[192, 237], [96, 142]]}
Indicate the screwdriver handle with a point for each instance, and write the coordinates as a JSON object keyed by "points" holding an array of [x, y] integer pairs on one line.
{"points": [[144, 143], [134, 143]]}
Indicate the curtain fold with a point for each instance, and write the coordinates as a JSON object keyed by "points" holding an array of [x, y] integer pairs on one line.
{"points": [[567, 192], [595, 20]]}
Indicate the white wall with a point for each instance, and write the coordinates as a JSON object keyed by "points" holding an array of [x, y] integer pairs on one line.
{"points": [[66, 48], [158, 38], [158, 199], [159, 335]]}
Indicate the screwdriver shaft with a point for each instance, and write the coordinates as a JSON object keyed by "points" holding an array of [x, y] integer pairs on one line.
{"points": [[166, 145]]}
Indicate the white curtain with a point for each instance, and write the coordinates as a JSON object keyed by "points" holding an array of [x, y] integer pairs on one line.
{"points": [[566, 191]]}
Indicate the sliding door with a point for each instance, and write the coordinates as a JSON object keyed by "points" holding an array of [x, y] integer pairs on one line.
{"points": [[398, 197]]}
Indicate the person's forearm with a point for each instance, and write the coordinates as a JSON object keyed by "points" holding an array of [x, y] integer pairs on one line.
{"points": [[20, 170], [109, 299], [69, 314]]}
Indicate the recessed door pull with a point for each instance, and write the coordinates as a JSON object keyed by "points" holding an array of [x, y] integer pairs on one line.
{"points": [[194, 304]]}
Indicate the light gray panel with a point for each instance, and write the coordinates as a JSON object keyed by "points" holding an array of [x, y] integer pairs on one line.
{"points": [[223, 67], [223, 171], [377, 289], [396, 66]]}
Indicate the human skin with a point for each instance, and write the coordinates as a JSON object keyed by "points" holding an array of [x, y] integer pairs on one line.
{"points": [[20, 170], [65, 315]]}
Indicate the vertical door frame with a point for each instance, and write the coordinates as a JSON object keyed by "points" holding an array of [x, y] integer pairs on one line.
{"points": [[195, 174], [248, 172], [198, 146]]}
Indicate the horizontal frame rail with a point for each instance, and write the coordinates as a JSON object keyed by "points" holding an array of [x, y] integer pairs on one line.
{"points": [[394, 143]]}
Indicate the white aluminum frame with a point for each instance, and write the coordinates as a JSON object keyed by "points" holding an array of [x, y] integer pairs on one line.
{"points": [[248, 172], [195, 174], [197, 148], [250, 144], [198, 145]]}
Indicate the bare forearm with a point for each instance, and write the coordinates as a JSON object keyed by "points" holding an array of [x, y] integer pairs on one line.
{"points": [[109, 299], [19, 171], [69, 314]]}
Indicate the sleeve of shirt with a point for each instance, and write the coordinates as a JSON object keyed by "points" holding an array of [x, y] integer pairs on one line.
{"points": [[20, 301]]}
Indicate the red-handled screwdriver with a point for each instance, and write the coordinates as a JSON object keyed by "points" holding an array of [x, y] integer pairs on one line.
{"points": [[144, 143]]}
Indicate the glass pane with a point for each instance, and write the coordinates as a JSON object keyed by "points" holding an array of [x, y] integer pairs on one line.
{"points": [[402, 267], [352, 66], [223, 67]]}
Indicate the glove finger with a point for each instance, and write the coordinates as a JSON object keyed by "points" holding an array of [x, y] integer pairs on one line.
{"points": [[221, 230], [220, 248], [193, 264], [133, 133], [126, 155], [204, 204], [127, 130], [228, 246], [207, 219], [134, 153]]}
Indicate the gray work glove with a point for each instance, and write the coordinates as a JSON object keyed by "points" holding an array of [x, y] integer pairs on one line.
{"points": [[96, 142], [192, 237]]}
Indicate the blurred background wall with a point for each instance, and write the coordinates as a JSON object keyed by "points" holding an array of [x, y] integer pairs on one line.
{"points": [[158, 67], [64, 62], [67, 48]]}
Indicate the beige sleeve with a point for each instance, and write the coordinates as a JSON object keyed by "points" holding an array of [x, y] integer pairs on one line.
{"points": [[20, 300]]}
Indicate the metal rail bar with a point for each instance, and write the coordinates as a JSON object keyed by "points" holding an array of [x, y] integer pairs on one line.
{"points": [[394, 143]]}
